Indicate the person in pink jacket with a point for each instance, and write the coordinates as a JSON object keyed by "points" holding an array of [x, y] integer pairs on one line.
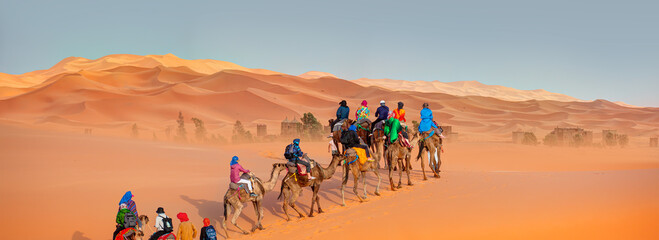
{"points": [[236, 169]]}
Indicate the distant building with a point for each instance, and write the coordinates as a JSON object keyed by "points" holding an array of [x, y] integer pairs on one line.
{"points": [[572, 136], [518, 136], [654, 142], [261, 130], [613, 133], [291, 128], [449, 133]]}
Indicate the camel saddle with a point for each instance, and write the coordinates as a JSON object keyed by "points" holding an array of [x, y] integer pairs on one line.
{"points": [[299, 168], [237, 186], [358, 153]]}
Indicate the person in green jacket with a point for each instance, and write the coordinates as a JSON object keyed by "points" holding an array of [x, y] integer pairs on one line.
{"points": [[392, 128]]}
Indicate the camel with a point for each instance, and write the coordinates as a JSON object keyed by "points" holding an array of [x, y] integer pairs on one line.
{"points": [[397, 153], [432, 145], [292, 184], [358, 171], [336, 135], [236, 198], [364, 131], [377, 146], [145, 222]]}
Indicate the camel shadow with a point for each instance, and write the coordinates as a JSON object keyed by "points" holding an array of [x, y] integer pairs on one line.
{"points": [[77, 235], [207, 209]]}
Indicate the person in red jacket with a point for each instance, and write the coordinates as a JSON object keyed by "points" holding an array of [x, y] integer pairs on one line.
{"points": [[236, 169]]}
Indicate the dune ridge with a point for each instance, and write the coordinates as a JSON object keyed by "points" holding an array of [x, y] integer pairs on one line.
{"points": [[116, 91], [467, 88]]}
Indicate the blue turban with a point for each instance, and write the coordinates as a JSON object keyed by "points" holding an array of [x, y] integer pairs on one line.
{"points": [[234, 160], [352, 128], [296, 141], [127, 196]]}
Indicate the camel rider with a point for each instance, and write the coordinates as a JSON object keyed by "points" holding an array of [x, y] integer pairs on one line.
{"points": [[399, 113], [236, 169], [392, 128], [160, 224], [350, 139], [381, 113], [341, 113], [127, 203], [293, 154], [427, 123], [362, 113]]}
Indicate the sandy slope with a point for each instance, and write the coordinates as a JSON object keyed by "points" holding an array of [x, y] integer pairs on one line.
{"points": [[466, 88], [488, 190], [112, 93]]}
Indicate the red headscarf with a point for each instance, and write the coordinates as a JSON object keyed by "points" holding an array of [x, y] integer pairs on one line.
{"points": [[182, 216], [364, 103], [207, 222]]}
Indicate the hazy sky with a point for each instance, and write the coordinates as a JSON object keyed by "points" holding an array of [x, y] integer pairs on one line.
{"points": [[586, 49]]}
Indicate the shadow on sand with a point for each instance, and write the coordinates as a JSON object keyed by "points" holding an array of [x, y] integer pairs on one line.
{"points": [[77, 235]]}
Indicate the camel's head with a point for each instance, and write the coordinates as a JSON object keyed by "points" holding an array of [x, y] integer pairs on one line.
{"points": [[337, 157], [279, 166]]}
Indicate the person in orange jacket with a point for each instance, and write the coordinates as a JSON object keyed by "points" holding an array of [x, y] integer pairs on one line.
{"points": [[186, 231]]}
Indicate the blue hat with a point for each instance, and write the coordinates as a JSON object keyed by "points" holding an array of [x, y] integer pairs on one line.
{"points": [[234, 160], [127, 196], [296, 141], [352, 128]]}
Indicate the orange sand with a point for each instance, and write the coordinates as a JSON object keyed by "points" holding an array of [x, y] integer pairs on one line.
{"points": [[68, 186]]}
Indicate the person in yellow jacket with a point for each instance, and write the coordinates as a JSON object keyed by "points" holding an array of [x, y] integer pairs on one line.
{"points": [[186, 231]]}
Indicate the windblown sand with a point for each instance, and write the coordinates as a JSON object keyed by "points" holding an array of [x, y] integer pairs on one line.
{"points": [[67, 186]]}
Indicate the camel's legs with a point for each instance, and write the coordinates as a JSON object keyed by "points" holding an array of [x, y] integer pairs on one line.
{"points": [[355, 174], [438, 155], [408, 163], [296, 193], [224, 222], [343, 184], [423, 168], [432, 162], [261, 214], [236, 214], [377, 188], [391, 180], [364, 183], [258, 215], [287, 196], [317, 198], [314, 199], [400, 173]]}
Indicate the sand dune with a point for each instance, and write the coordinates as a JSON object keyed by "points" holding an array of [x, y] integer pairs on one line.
{"points": [[120, 90], [316, 74], [466, 88]]}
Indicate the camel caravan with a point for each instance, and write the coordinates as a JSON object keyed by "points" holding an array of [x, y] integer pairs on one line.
{"points": [[359, 146]]}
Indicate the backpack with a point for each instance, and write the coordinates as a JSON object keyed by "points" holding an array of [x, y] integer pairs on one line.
{"points": [[121, 216], [288, 153], [210, 233], [130, 220], [167, 225]]}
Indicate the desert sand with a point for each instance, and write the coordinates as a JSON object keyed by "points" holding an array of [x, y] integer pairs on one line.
{"points": [[69, 186]]}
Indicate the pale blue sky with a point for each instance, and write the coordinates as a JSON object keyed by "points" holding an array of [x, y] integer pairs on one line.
{"points": [[586, 49]]}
